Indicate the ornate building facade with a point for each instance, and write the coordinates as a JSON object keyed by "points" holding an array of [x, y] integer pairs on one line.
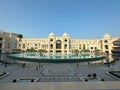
{"points": [[58, 44], [66, 45]]}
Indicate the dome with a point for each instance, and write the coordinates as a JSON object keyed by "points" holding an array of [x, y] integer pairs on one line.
{"points": [[65, 35], [106, 36], [51, 34]]}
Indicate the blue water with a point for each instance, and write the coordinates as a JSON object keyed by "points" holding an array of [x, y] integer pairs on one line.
{"points": [[49, 56]]}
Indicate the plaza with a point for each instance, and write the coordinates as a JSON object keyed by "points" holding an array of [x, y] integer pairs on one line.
{"points": [[58, 45], [58, 72], [29, 71]]}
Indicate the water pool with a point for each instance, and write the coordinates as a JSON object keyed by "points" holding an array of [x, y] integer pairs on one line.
{"points": [[37, 57]]}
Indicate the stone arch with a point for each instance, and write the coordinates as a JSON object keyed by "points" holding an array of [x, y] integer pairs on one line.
{"points": [[58, 44]]}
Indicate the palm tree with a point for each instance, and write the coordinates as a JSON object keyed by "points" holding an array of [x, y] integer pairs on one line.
{"points": [[16, 50], [31, 50], [76, 51], [42, 51], [85, 50], [97, 51]]}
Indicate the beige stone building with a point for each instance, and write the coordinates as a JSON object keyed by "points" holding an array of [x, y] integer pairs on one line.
{"points": [[65, 44], [8, 41], [58, 44]]}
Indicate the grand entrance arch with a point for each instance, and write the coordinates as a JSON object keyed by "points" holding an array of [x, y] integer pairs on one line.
{"points": [[58, 46]]}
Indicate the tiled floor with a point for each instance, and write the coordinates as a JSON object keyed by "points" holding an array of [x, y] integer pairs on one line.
{"points": [[58, 72]]}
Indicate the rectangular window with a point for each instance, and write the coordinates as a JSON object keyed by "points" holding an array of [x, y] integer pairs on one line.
{"points": [[0, 45]]}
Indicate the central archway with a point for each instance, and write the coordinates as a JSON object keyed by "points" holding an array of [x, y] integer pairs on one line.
{"points": [[58, 44]]}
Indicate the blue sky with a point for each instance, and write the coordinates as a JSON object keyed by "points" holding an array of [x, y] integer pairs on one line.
{"points": [[79, 18]]}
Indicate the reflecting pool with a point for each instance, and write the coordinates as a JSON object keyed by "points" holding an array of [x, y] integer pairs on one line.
{"points": [[57, 56], [37, 57]]}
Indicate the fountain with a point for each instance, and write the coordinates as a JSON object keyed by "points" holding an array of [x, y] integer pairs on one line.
{"points": [[48, 58]]}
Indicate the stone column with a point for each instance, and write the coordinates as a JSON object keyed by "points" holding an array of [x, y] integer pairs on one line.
{"points": [[68, 47], [54, 47], [48, 49], [3, 46], [62, 47]]}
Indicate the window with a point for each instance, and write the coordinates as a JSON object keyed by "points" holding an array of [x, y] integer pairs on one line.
{"points": [[91, 47], [65, 46], [23, 45], [20, 36], [106, 46], [105, 41], [95, 47], [51, 39], [58, 44], [116, 43], [51, 46], [0, 45], [65, 51], [19, 45], [51, 50], [79, 46], [0, 38], [65, 40], [84, 46]]}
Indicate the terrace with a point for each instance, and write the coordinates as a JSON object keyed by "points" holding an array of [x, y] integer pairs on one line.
{"points": [[59, 74]]}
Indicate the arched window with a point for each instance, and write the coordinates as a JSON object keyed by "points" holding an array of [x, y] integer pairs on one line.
{"points": [[65, 40], [83, 46], [79, 46], [65, 46], [51, 46], [51, 40], [19, 45], [23, 45], [106, 46], [116, 43], [58, 44], [105, 41]]}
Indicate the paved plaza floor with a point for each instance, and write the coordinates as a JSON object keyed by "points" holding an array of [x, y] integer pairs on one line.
{"points": [[58, 72]]}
